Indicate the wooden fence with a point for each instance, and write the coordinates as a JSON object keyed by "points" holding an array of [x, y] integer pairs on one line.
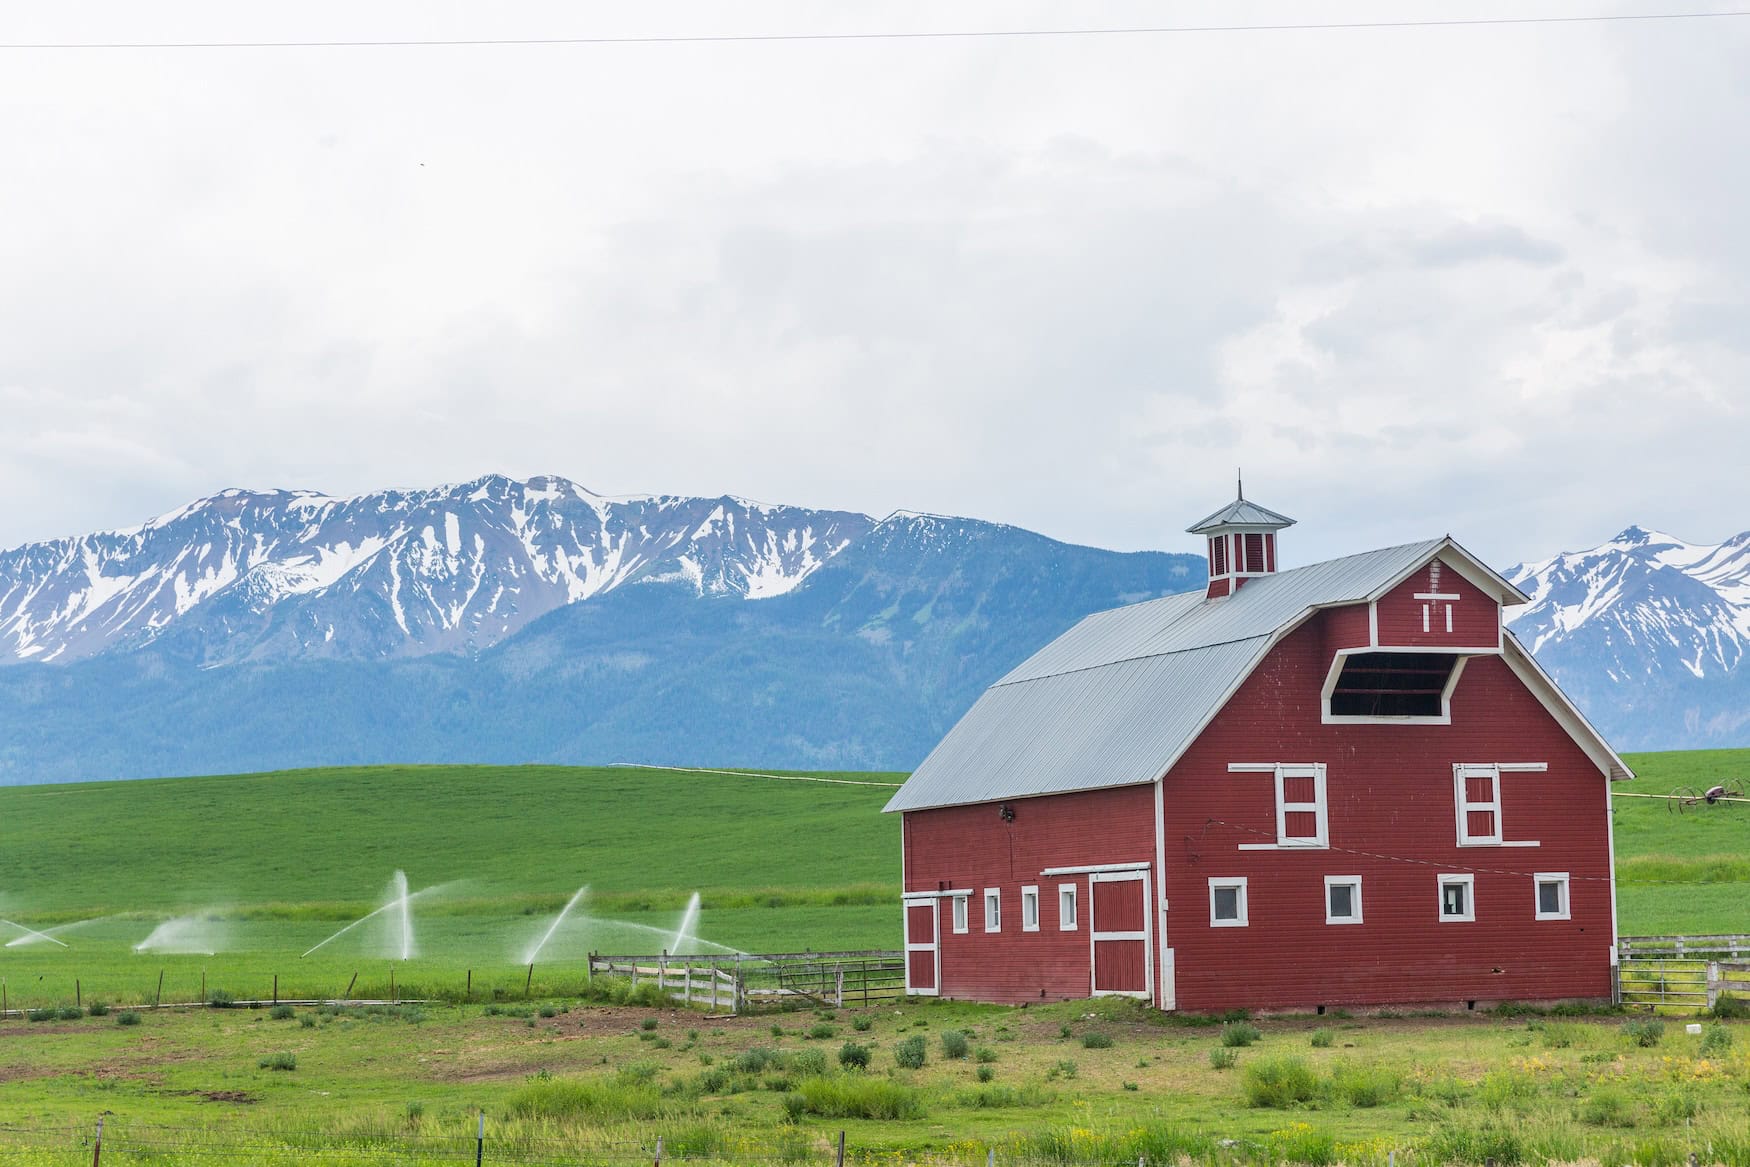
{"points": [[1684, 972], [742, 983]]}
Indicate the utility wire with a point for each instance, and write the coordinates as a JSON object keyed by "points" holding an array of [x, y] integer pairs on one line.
{"points": [[950, 34]]}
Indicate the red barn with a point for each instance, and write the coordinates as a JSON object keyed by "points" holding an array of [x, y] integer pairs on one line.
{"points": [[1345, 785]]}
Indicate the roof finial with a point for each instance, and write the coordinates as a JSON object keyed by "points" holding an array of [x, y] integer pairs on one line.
{"points": [[1240, 484]]}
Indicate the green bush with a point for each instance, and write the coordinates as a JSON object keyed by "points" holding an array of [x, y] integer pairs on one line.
{"points": [[284, 1060], [548, 1010], [308, 1021], [858, 1097], [661, 1043], [1279, 1082], [986, 1073], [1239, 1033], [282, 1013], [220, 999], [984, 1055], [1094, 1039], [1064, 1069], [911, 1052], [97, 1009], [821, 1031], [1500, 1144], [48, 1014], [127, 1017], [1364, 1086], [853, 1056], [1607, 1105], [618, 1099], [1717, 1042], [758, 1059], [1726, 1007], [954, 1044], [1323, 1038], [69, 1013], [1675, 1105], [647, 1024], [862, 1024], [808, 1061], [1223, 1058], [1645, 1032]]}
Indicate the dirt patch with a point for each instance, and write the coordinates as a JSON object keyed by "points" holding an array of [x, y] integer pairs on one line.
{"points": [[226, 1095]]}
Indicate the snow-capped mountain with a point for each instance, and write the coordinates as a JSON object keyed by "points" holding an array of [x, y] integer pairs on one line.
{"points": [[1648, 632], [396, 573]]}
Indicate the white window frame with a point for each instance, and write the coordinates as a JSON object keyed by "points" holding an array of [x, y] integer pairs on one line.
{"points": [[1030, 908], [1335, 674], [993, 909], [1238, 883], [1319, 808], [1560, 879], [1066, 907], [1469, 881], [1353, 881], [962, 913], [1461, 771]]}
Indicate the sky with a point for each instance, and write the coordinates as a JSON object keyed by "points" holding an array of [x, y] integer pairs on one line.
{"points": [[1492, 281]]}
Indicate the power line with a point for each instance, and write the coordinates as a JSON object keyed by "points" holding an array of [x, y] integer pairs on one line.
{"points": [[950, 34]]}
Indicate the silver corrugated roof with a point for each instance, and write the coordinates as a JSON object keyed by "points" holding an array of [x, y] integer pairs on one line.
{"points": [[1240, 513], [1117, 698]]}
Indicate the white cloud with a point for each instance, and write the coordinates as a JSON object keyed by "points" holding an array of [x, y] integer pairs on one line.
{"points": [[1489, 281]]}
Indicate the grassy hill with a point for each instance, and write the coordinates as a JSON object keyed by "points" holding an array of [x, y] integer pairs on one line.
{"points": [[264, 866]]}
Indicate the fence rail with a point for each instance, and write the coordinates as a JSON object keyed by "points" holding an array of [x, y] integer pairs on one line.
{"points": [[745, 982], [1684, 972]]}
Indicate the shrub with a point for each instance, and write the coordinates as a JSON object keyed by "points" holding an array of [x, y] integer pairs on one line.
{"points": [[954, 1044], [757, 1060], [984, 1055], [1130, 1086], [1094, 1039], [1064, 1032], [1645, 1032], [808, 1061], [284, 1060], [97, 1009], [42, 1014], [1239, 1033], [1678, 1104], [1501, 1144], [1279, 1082], [308, 1021], [282, 1013], [910, 1052], [1607, 1106], [821, 1031], [1223, 1058], [549, 1010], [620, 1098], [1065, 1069], [858, 1097], [220, 999], [1364, 1086], [853, 1056], [1726, 1006], [986, 1073], [661, 1043], [1717, 1042], [127, 1017], [1322, 1038], [862, 1024], [69, 1013], [777, 1030], [647, 1024]]}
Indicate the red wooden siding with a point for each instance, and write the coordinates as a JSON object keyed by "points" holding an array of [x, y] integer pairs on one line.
{"points": [[1347, 627], [1389, 791], [1475, 614], [1120, 966], [971, 847], [923, 969], [1118, 906], [920, 924]]}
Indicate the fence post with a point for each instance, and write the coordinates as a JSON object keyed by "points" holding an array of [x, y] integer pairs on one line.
{"points": [[391, 984], [203, 986], [276, 988], [841, 1162], [658, 1151], [840, 994], [990, 1157], [97, 1147], [159, 999], [1713, 983], [79, 994], [348, 994], [469, 991], [480, 1140], [529, 982]]}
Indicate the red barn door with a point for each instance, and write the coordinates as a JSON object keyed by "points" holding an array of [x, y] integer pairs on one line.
{"points": [[922, 964], [1118, 908]]}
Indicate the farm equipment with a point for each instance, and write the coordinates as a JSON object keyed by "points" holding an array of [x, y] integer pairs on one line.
{"points": [[1688, 798]]}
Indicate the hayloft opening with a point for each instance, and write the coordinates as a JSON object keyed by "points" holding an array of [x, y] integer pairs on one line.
{"points": [[1392, 684]]}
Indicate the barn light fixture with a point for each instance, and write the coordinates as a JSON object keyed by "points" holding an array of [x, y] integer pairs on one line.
{"points": [[1006, 813]]}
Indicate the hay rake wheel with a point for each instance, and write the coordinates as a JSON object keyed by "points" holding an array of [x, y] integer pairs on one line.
{"points": [[1687, 798]]}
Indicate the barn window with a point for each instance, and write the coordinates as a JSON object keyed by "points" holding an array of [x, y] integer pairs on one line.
{"points": [[960, 923], [1478, 789], [1301, 819], [1227, 902], [993, 910], [1342, 899], [1392, 684], [1029, 909], [1552, 895], [1458, 898], [1218, 555], [1066, 907]]}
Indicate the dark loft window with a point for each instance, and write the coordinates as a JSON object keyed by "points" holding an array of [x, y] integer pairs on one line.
{"points": [[1392, 684]]}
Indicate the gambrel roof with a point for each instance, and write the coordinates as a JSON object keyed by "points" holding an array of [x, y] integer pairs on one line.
{"points": [[1117, 699]]}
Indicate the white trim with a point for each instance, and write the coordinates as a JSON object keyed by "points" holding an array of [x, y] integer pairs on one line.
{"points": [[935, 895], [1610, 837], [1353, 881], [1561, 880], [1146, 936], [1474, 571], [1238, 883], [934, 946], [960, 913], [1326, 717], [1470, 897], [1493, 772], [993, 919], [1092, 869], [1067, 891], [1030, 895], [1319, 807], [1373, 623], [1168, 994]]}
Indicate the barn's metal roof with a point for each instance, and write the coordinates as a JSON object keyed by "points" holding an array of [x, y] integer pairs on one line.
{"points": [[1116, 699], [1240, 513]]}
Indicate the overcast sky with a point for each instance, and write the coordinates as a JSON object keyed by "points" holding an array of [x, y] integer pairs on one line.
{"points": [[1492, 281]]}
